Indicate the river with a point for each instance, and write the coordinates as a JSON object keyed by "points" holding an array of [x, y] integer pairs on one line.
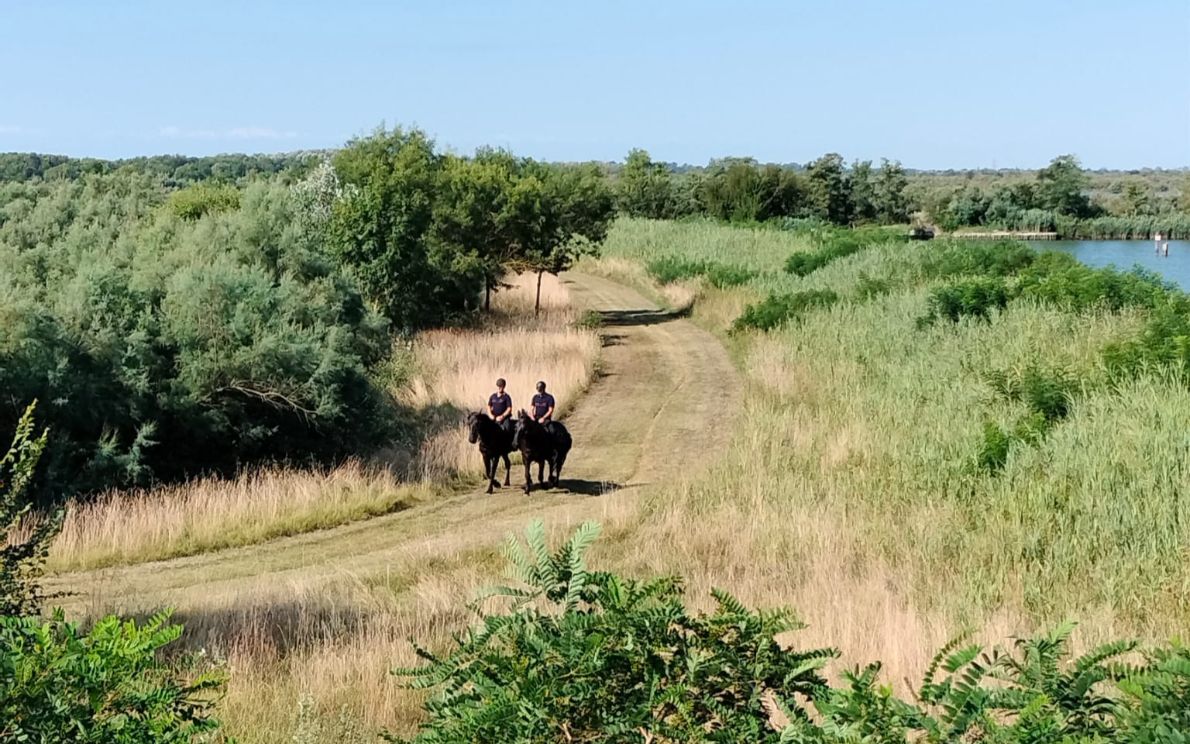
{"points": [[1125, 254]]}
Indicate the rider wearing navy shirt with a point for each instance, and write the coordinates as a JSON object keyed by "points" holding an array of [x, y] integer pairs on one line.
{"points": [[543, 405], [500, 406]]}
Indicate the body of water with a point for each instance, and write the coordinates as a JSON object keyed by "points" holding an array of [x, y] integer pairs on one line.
{"points": [[1124, 254]]}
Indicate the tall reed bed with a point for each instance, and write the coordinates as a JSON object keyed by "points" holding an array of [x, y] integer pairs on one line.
{"points": [[855, 464]]}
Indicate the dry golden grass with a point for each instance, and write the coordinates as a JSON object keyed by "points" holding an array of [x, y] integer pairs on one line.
{"points": [[209, 514], [455, 369], [458, 368]]}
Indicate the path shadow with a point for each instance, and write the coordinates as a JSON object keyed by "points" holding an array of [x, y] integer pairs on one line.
{"points": [[640, 317], [588, 487]]}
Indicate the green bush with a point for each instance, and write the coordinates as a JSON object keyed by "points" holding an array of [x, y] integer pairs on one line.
{"points": [[202, 199], [1046, 392], [1033, 693], [969, 298], [1059, 280], [586, 656], [58, 684], [997, 442], [869, 287], [162, 348], [670, 269], [1163, 344], [778, 309], [950, 258]]}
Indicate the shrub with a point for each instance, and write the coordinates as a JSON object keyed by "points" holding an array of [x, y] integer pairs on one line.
{"points": [[1164, 344], [163, 348], [23, 549], [1032, 693], [1000, 258], [1048, 393], [777, 309], [869, 287], [202, 199], [670, 269], [58, 684], [973, 298], [586, 656], [1073, 286], [835, 246], [998, 442]]}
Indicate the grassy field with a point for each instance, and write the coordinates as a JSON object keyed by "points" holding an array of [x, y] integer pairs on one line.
{"points": [[852, 492], [849, 490]]}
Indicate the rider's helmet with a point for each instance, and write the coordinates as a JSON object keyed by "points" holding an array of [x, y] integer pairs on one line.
{"points": [[540, 386]]}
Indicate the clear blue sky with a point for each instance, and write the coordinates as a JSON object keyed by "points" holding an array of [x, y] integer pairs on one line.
{"points": [[934, 83]]}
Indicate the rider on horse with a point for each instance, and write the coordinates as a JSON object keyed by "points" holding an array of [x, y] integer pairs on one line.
{"points": [[500, 407], [543, 407]]}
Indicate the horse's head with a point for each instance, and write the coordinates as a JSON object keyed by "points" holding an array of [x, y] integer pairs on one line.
{"points": [[473, 420], [522, 420]]}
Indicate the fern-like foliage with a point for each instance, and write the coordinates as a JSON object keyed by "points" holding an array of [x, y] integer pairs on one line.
{"points": [[588, 656]]}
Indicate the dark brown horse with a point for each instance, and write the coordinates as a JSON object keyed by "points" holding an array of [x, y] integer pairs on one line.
{"points": [[541, 444], [494, 443]]}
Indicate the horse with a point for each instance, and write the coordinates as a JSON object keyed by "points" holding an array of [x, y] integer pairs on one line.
{"points": [[494, 443], [541, 445]]}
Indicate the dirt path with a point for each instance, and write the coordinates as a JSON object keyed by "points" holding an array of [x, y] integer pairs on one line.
{"points": [[646, 420]]}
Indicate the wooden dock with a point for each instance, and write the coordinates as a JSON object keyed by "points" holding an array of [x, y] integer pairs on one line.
{"points": [[1004, 235]]}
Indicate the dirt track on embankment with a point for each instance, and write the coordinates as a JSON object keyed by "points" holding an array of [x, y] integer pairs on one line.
{"points": [[656, 412]]}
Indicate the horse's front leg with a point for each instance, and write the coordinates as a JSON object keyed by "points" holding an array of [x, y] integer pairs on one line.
{"points": [[528, 476], [489, 467], [507, 470], [541, 471]]}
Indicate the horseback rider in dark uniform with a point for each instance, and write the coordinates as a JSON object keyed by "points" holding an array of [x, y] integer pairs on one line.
{"points": [[543, 408], [500, 407]]}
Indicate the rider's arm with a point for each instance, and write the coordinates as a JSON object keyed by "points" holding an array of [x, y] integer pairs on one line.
{"points": [[549, 414]]}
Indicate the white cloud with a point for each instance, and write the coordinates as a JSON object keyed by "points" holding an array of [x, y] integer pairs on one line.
{"points": [[234, 133]]}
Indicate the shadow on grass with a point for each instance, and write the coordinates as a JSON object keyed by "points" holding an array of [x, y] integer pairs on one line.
{"points": [[640, 317]]}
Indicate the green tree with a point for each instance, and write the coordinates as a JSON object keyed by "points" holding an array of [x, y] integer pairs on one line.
{"points": [[558, 213], [829, 191], [863, 192], [1137, 199], [644, 188], [23, 543], [890, 199], [732, 190], [1062, 186], [473, 213], [381, 230]]}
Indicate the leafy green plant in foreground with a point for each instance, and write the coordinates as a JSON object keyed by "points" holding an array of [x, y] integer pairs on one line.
{"points": [[588, 656], [58, 684], [23, 548]]}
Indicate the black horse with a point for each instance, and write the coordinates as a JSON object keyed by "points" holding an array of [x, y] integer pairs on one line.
{"points": [[541, 445], [494, 443]]}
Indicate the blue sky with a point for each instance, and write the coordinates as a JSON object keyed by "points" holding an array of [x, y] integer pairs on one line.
{"points": [[935, 84]]}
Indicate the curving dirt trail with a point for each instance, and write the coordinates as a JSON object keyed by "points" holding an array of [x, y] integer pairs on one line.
{"points": [[657, 412]]}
